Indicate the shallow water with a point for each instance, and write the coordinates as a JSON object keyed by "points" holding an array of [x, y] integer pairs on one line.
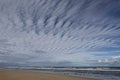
{"points": [[102, 74]]}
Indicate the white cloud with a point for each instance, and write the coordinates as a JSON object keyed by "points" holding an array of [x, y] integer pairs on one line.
{"points": [[111, 61], [55, 30]]}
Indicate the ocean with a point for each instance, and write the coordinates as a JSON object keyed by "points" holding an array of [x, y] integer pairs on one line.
{"points": [[102, 73]]}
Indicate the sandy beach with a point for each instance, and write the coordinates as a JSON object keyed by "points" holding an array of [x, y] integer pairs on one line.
{"points": [[7, 74]]}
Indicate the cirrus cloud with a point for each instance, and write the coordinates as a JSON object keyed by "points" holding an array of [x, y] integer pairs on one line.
{"points": [[57, 31]]}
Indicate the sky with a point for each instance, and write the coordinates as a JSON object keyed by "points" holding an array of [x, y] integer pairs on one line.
{"points": [[60, 32]]}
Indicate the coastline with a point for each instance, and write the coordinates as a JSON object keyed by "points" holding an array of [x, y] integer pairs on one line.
{"points": [[16, 74]]}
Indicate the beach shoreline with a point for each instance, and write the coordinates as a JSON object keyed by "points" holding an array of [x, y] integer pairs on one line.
{"points": [[18, 74]]}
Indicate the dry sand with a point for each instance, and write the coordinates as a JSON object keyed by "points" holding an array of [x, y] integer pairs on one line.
{"points": [[7, 74]]}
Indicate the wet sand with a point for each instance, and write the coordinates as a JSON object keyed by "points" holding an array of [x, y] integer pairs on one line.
{"points": [[11, 74]]}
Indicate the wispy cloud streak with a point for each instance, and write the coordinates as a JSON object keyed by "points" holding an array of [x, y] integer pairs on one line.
{"points": [[52, 30]]}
